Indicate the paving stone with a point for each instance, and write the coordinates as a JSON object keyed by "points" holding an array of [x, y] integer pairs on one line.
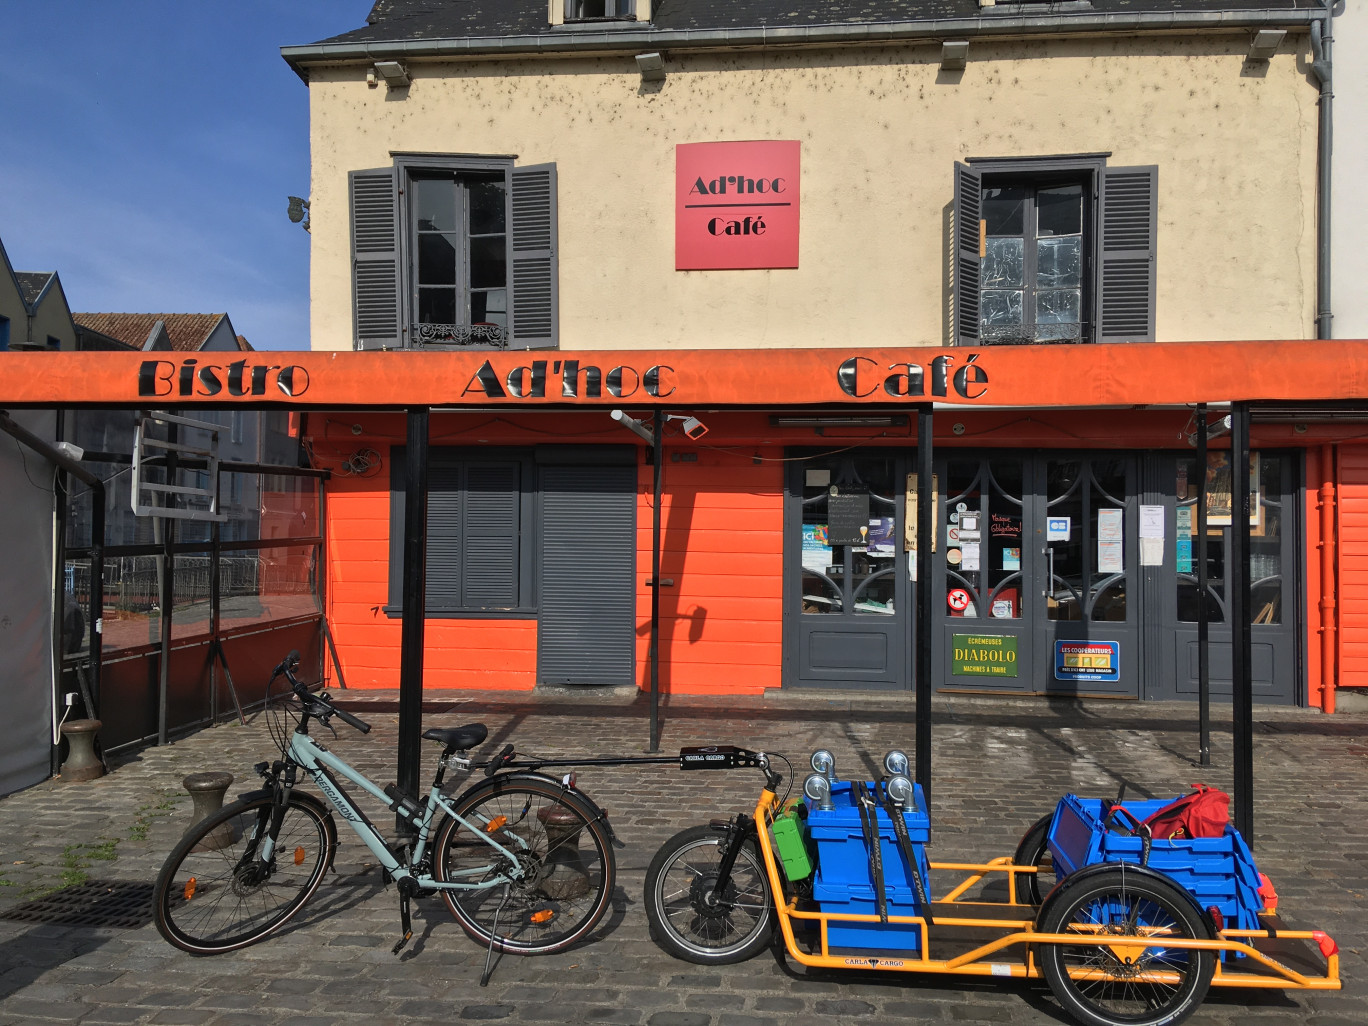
{"points": [[997, 765]]}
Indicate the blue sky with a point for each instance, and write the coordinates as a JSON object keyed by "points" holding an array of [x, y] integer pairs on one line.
{"points": [[148, 147]]}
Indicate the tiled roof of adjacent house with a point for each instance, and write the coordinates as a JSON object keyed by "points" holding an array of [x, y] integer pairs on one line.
{"points": [[187, 332], [32, 283], [393, 20]]}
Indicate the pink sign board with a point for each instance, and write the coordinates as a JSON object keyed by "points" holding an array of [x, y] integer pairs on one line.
{"points": [[736, 205]]}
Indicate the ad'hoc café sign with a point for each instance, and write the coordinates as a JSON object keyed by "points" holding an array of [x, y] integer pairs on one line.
{"points": [[736, 205]]}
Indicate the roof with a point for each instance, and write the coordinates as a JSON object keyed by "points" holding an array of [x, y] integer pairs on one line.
{"points": [[187, 332], [32, 284], [395, 20]]}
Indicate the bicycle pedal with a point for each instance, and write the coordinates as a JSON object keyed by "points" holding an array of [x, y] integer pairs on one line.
{"points": [[402, 941]]}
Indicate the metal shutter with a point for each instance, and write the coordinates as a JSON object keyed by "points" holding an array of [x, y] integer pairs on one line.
{"points": [[536, 320], [492, 520], [1125, 280], [375, 259], [586, 628], [968, 242]]}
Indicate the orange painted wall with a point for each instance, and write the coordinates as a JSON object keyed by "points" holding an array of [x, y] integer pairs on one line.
{"points": [[1353, 565], [721, 623]]}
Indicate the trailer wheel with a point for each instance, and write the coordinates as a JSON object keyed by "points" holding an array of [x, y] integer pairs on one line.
{"points": [[1128, 977], [1034, 851]]}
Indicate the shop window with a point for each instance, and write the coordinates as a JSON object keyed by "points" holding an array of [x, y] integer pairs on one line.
{"points": [[1054, 250], [481, 533], [454, 252]]}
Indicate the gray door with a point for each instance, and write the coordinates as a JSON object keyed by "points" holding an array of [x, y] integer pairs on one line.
{"points": [[1275, 578], [1022, 607], [587, 617], [846, 582], [984, 560], [1088, 631]]}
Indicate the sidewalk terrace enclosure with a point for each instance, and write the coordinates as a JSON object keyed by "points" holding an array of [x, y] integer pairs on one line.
{"points": [[791, 487]]}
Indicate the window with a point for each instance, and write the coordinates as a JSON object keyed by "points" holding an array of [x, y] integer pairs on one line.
{"points": [[4, 334], [455, 252], [1057, 249], [54, 343], [481, 536], [583, 10]]}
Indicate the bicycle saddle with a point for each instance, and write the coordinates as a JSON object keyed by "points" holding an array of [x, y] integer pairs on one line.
{"points": [[458, 739]]}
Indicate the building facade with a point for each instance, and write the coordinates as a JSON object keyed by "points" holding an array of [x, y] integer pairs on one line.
{"points": [[570, 178]]}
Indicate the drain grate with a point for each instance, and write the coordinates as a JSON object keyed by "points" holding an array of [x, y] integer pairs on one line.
{"points": [[117, 904]]}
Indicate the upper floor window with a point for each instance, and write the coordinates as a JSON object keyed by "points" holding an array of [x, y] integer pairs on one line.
{"points": [[454, 251], [584, 10], [4, 333], [1057, 249]]}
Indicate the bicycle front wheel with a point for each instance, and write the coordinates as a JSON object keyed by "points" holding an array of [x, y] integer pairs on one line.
{"points": [[216, 891], [563, 857]]}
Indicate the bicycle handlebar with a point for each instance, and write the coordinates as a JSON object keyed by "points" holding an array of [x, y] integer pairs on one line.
{"points": [[319, 706]]}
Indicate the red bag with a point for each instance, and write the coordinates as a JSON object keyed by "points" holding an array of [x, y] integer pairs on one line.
{"points": [[1204, 813]]}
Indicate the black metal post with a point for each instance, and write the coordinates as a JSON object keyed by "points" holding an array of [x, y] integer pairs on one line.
{"points": [[1203, 625], [657, 457], [415, 605], [215, 610], [924, 626], [168, 594], [1241, 636]]}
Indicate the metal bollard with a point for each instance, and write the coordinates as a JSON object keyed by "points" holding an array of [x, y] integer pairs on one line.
{"points": [[207, 789], [81, 762]]}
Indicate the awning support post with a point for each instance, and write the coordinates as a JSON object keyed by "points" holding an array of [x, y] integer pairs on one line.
{"points": [[415, 606], [1241, 634], [924, 627]]}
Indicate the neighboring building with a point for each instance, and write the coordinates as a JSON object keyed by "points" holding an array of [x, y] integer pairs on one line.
{"points": [[687, 178], [184, 333]]}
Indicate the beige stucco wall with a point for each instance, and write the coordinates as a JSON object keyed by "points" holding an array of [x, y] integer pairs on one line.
{"points": [[880, 129], [53, 318]]}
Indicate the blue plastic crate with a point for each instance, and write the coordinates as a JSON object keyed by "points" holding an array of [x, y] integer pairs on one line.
{"points": [[841, 855], [845, 879], [858, 899], [1216, 871]]}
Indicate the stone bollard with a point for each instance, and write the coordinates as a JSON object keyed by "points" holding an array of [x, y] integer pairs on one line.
{"points": [[564, 876], [81, 762], [208, 789]]}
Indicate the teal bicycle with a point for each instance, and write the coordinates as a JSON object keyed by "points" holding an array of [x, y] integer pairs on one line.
{"points": [[524, 861]]}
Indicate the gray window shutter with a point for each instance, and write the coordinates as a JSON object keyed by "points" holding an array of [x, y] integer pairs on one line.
{"points": [[586, 626], [1125, 275], [489, 556], [536, 269], [444, 534], [375, 259], [968, 239]]}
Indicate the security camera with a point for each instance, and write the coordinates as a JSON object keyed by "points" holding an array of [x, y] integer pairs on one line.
{"points": [[694, 428]]}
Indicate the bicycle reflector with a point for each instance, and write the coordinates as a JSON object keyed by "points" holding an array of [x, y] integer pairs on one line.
{"points": [[1217, 917], [190, 888], [497, 823], [299, 856], [544, 915]]}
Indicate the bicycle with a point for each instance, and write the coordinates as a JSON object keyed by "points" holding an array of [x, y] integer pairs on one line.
{"points": [[523, 861]]}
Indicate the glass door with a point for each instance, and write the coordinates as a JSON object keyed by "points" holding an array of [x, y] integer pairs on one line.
{"points": [[847, 571]]}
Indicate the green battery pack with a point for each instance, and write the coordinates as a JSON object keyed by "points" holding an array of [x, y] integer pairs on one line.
{"points": [[790, 841]]}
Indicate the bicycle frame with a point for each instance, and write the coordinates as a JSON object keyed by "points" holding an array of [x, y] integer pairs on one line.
{"points": [[320, 764]]}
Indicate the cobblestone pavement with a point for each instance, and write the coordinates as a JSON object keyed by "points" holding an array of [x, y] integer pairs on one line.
{"points": [[998, 764]]}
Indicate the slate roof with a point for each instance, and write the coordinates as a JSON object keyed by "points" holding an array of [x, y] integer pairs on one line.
{"points": [[395, 20], [188, 332], [32, 283]]}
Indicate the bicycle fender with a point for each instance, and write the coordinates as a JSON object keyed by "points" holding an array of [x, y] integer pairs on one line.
{"points": [[544, 778], [1063, 887], [298, 797]]}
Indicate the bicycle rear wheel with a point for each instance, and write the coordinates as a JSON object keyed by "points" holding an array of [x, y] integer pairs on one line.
{"points": [[562, 850], [216, 893]]}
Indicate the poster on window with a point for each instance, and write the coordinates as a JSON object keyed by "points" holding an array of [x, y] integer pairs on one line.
{"points": [[1110, 541], [816, 550], [880, 536], [1220, 511]]}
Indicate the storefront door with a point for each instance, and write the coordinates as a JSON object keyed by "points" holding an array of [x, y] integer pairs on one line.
{"points": [[1036, 573], [847, 590]]}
